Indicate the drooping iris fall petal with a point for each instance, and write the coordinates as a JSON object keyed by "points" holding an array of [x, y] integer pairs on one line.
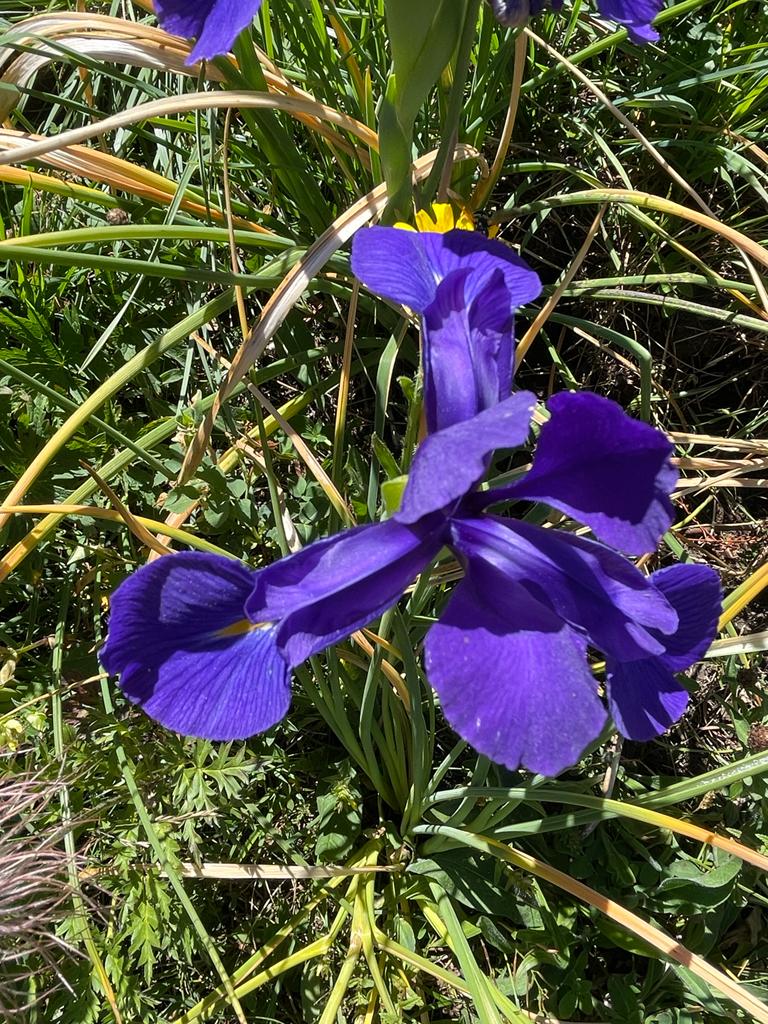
{"points": [[695, 593], [595, 590], [512, 676], [644, 696], [180, 642], [645, 699], [609, 471]]}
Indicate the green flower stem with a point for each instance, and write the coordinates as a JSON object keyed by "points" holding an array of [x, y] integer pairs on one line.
{"points": [[456, 101], [476, 980], [146, 232], [369, 729], [359, 926], [422, 733], [270, 275]]}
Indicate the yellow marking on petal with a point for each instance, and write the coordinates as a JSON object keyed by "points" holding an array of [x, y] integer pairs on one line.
{"points": [[242, 627]]}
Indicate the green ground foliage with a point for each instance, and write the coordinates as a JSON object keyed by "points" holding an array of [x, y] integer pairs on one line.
{"points": [[115, 288]]}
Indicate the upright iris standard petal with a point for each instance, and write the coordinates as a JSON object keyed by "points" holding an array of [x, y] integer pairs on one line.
{"points": [[607, 470], [467, 349], [393, 263], [185, 653], [214, 23], [512, 677], [448, 464], [406, 266], [456, 250], [335, 586], [449, 357], [590, 587], [644, 697], [467, 288]]}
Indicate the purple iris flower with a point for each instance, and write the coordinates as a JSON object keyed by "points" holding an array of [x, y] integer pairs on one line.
{"points": [[634, 15], [206, 646], [214, 23]]}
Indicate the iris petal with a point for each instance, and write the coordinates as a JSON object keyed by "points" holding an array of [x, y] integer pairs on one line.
{"points": [[335, 586], [178, 640], [392, 263], [607, 470], [450, 388], [449, 463], [467, 287], [644, 697], [694, 592], [493, 338], [455, 250], [635, 15], [467, 349], [593, 589], [512, 677], [214, 23]]}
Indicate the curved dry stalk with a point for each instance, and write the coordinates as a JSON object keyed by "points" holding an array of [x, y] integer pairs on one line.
{"points": [[565, 279], [108, 47], [194, 101], [115, 41], [111, 515], [115, 172], [59, 25], [297, 872]]}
